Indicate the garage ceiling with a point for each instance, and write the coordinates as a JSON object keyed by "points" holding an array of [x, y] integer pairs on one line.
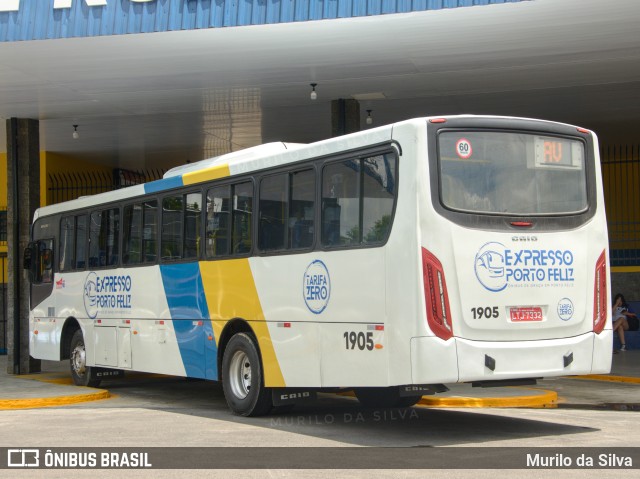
{"points": [[162, 99]]}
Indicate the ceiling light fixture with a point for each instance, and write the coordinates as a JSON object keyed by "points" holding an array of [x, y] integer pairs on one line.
{"points": [[369, 119], [314, 95], [75, 135]]}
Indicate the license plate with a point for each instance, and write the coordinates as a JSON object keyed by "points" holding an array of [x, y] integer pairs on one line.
{"points": [[519, 315]]}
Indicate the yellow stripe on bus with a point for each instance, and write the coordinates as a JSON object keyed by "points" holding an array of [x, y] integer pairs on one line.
{"points": [[231, 293], [208, 174]]}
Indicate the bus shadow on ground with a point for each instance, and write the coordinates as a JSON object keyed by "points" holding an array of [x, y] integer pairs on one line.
{"points": [[338, 418]]}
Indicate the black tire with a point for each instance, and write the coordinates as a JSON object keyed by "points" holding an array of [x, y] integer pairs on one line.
{"points": [[243, 378], [82, 374], [384, 397]]}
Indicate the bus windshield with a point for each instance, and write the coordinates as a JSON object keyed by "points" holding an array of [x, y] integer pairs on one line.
{"points": [[495, 172]]}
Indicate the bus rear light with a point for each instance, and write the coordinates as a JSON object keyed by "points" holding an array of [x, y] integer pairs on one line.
{"points": [[583, 130], [600, 306], [438, 120], [436, 297], [522, 224]]}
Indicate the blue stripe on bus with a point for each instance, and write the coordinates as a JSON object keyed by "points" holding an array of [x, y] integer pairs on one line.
{"points": [[161, 185], [190, 316]]}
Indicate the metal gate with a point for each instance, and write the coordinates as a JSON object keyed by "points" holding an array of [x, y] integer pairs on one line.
{"points": [[72, 185], [621, 176]]}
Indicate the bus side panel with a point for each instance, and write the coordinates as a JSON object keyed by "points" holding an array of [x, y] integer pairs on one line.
{"points": [[44, 338], [353, 326], [322, 310], [132, 301], [293, 329], [230, 291], [184, 290], [405, 293], [46, 321], [155, 348]]}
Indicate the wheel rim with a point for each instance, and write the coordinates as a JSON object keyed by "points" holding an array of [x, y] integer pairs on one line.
{"points": [[240, 375], [79, 359]]}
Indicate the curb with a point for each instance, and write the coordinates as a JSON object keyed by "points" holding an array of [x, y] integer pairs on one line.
{"points": [[608, 378], [547, 399], [91, 394], [33, 403]]}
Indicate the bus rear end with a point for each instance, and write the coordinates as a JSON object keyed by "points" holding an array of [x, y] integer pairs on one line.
{"points": [[514, 253]]}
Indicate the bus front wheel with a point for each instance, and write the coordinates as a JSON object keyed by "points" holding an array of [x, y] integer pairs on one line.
{"points": [[82, 374], [242, 378]]}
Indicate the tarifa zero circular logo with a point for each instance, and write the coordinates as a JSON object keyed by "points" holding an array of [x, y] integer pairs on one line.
{"points": [[91, 295], [565, 309], [316, 287], [490, 266]]}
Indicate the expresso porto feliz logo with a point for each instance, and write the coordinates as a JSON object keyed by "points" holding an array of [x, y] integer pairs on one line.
{"points": [[103, 293], [316, 287], [489, 266], [497, 266]]}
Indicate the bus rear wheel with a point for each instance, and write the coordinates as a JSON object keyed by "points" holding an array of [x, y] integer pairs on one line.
{"points": [[81, 374], [243, 379], [384, 397]]}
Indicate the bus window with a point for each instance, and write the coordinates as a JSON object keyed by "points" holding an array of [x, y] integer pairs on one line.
{"points": [[301, 209], [192, 225], [341, 203], [81, 242], [103, 238], [96, 257], [172, 221], [512, 173], [150, 231], [218, 221], [379, 184], [132, 234], [113, 230], [67, 239], [273, 210], [357, 201], [242, 210]]}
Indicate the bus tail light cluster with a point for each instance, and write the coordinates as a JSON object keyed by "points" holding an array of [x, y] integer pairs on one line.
{"points": [[436, 297], [600, 306]]}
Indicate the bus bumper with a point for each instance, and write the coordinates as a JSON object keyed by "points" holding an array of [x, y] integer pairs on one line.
{"points": [[463, 360]]}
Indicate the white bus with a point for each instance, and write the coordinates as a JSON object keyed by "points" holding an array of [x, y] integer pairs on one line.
{"points": [[391, 261]]}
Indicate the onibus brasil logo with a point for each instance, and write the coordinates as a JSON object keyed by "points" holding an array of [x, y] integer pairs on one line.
{"points": [[497, 266]]}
